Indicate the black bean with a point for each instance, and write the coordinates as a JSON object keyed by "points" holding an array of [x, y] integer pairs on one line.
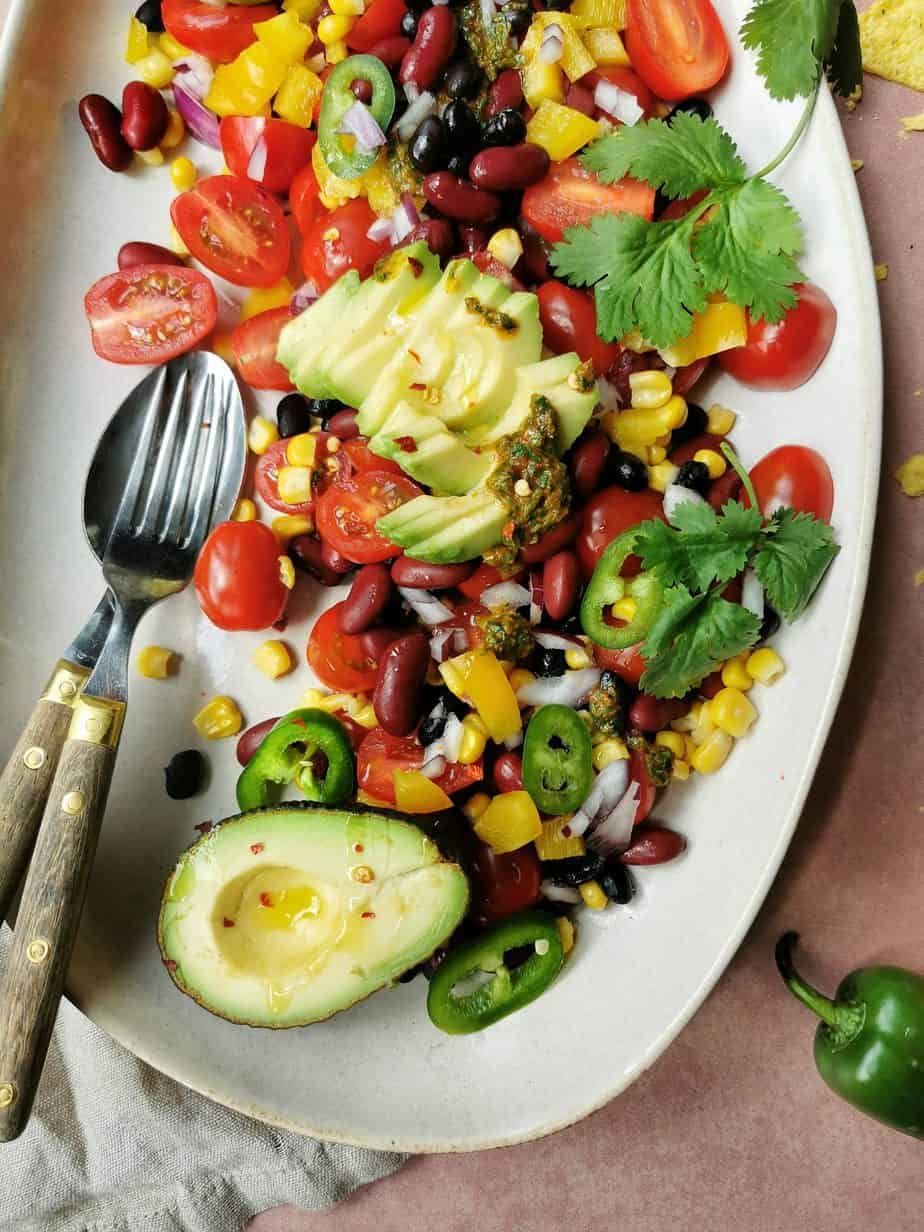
{"points": [[462, 129], [616, 881], [548, 662], [463, 79], [434, 724], [506, 128], [458, 165], [324, 408], [518, 20], [149, 15], [693, 106], [419, 6], [573, 870], [613, 683], [428, 148], [626, 470], [695, 476], [695, 424], [409, 25], [293, 415], [184, 776], [770, 622]]}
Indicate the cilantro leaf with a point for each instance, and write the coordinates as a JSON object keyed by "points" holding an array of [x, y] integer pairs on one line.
{"points": [[677, 158], [691, 636], [644, 274], [704, 548], [794, 555], [844, 65], [745, 249], [792, 39]]}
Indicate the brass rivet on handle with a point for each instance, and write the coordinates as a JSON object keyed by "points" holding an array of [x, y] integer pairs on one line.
{"points": [[34, 758], [68, 690], [37, 951], [73, 803], [7, 1094]]}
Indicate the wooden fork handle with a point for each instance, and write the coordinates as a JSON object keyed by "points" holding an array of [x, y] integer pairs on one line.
{"points": [[52, 901], [26, 777]]}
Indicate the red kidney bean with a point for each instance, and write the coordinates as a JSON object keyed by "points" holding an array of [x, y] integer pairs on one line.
{"points": [[653, 845], [432, 49], [103, 122], [561, 579], [727, 487], [552, 541], [334, 561], [535, 259], [685, 378], [343, 424], [505, 91], [474, 239], [144, 115], [436, 233], [249, 741], [374, 642], [588, 459], [372, 588], [391, 51], [138, 252], [420, 575], [711, 685], [508, 772], [307, 553], [459, 200], [399, 685], [503, 167], [626, 363], [651, 714], [581, 99]]}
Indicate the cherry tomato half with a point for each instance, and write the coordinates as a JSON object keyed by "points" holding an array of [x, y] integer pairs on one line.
{"points": [[625, 79], [285, 149], [237, 577], [266, 478], [569, 196], [677, 47], [380, 755], [569, 323], [647, 792], [235, 228], [220, 33], [607, 514], [503, 884], [361, 457], [785, 355], [339, 241], [796, 477], [304, 199], [149, 314], [337, 658], [254, 344], [347, 512]]}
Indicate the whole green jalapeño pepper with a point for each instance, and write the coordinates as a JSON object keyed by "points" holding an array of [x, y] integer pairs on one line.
{"points": [[350, 161], [869, 1046], [606, 587], [307, 747], [557, 759], [508, 988]]}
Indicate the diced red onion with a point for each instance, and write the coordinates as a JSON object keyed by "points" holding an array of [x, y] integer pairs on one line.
{"points": [[569, 689], [303, 298], [505, 594], [424, 603], [381, 229], [411, 91], [488, 13], [402, 223], [608, 789], [620, 104], [556, 641], [613, 833], [441, 4], [559, 894], [256, 165], [669, 372], [433, 767], [423, 106], [359, 121], [441, 644], [448, 744], [752, 594], [410, 207], [676, 494], [536, 596], [194, 74], [551, 49], [202, 123], [459, 641], [608, 394]]}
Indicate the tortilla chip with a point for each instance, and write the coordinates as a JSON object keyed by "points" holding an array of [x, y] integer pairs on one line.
{"points": [[881, 271], [910, 475], [913, 124], [892, 38]]}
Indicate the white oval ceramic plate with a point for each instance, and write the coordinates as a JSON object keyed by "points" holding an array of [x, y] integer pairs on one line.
{"points": [[381, 1075]]}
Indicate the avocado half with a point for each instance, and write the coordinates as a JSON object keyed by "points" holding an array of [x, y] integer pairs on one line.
{"points": [[284, 916]]}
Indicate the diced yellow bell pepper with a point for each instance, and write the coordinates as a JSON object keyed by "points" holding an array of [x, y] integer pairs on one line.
{"points": [[415, 793], [561, 131], [488, 689], [331, 189], [285, 36], [298, 95], [599, 13], [576, 60], [542, 81], [170, 47], [509, 822], [261, 299], [380, 189], [305, 10], [606, 47], [455, 673], [136, 45], [719, 327], [246, 85], [551, 844]]}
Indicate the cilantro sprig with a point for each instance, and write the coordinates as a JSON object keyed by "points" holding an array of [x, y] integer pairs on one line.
{"points": [[743, 235]]}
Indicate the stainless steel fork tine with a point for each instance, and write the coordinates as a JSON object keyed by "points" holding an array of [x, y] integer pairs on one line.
{"points": [[128, 505], [158, 486], [197, 425], [206, 481]]}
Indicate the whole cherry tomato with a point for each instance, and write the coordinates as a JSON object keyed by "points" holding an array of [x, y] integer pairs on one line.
{"points": [[381, 754], [569, 323], [237, 578], [677, 47], [785, 355], [606, 515], [794, 476], [503, 884]]}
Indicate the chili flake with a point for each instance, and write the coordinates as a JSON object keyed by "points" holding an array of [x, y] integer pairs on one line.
{"points": [[363, 873], [227, 923], [256, 848], [204, 826], [358, 847], [406, 444], [265, 900], [368, 915]]}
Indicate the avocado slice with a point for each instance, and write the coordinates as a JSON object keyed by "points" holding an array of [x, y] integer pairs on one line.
{"points": [[446, 529], [285, 916], [303, 342], [424, 447], [560, 379]]}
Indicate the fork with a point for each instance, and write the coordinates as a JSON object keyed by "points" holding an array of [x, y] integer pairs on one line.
{"points": [[188, 464]]}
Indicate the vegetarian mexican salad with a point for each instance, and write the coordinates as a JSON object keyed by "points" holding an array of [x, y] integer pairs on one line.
{"points": [[523, 240]]}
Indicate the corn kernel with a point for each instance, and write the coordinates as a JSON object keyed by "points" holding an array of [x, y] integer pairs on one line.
{"points": [[175, 130], [221, 345], [661, 476], [294, 483], [136, 45], [286, 572], [171, 48], [365, 716], [183, 173], [713, 753], [288, 525], [336, 53], [650, 389], [704, 726], [608, 751], [577, 659], [509, 822], [261, 434], [334, 28], [218, 719], [720, 420], [301, 449], [333, 444], [244, 511], [474, 739], [565, 933], [731, 711], [155, 69], [671, 740], [714, 463], [765, 665], [674, 412], [689, 748], [552, 844], [592, 894], [262, 299], [687, 722], [273, 658], [736, 675], [151, 158], [304, 10], [624, 609], [680, 769], [506, 246], [656, 454], [519, 678], [348, 8], [475, 805], [155, 662], [178, 245]]}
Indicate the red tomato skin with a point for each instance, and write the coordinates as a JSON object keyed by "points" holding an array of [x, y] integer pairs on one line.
{"points": [[381, 754], [784, 356], [569, 196], [337, 658], [226, 197], [627, 664], [362, 458], [254, 344], [347, 511], [483, 577], [219, 33], [324, 260], [648, 793], [381, 20], [102, 304], [237, 577], [267, 484], [569, 323], [699, 60], [607, 514], [288, 148], [304, 198], [504, 884], [796, 477]]}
